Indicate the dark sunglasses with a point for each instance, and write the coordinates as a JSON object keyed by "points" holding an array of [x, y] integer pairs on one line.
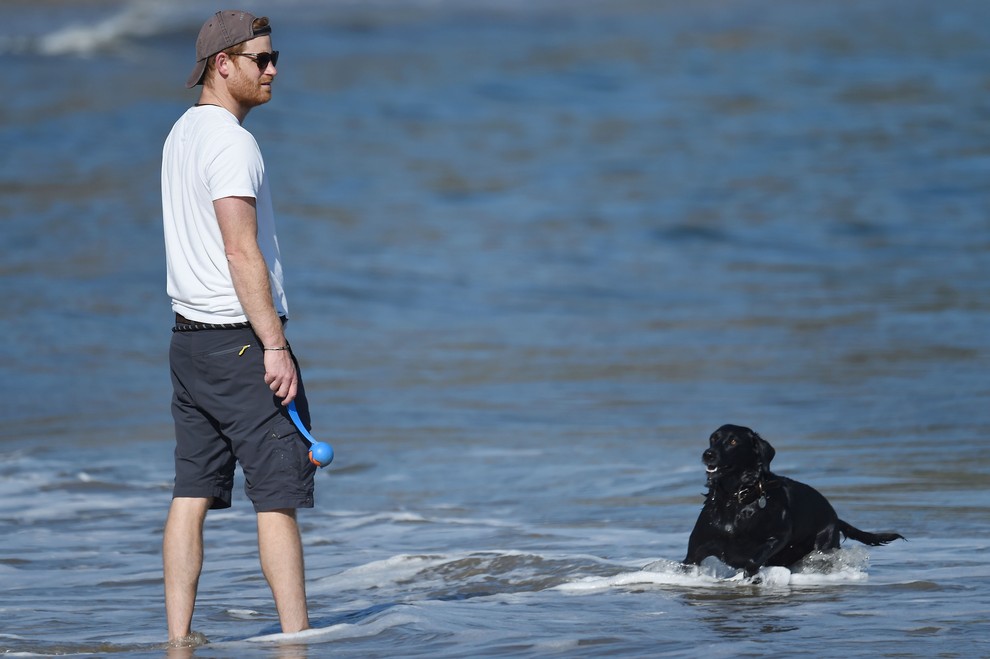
{"points": [[261, 59]]}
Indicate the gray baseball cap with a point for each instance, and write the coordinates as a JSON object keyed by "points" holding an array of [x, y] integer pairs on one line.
{"points": [[224, 29]]}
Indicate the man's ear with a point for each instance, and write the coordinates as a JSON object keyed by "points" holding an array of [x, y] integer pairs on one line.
{"points": [[222, 62]]}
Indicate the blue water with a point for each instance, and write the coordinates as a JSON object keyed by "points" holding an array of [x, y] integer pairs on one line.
{"points": [[535, 253]]}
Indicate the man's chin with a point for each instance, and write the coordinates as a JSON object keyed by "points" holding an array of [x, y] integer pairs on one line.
{"points": [[263, 97]]}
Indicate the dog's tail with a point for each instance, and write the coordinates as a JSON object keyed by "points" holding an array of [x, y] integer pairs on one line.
{"points": [[872, 539]]}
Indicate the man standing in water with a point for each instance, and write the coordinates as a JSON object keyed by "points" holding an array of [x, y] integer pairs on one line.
{"points": [[233, 372]]}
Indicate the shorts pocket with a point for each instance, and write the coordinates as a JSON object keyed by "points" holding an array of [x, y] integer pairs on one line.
{"points": [[281, 475], [235, 350], [290, 454]]}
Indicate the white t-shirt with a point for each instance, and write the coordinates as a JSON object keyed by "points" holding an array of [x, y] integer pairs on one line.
{"points": [[209, 156]]}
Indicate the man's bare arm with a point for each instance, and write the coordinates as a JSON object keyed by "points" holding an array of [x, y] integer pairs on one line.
{"points": [[238, 222]]}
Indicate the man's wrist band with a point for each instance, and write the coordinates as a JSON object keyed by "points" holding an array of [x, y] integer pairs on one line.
{"points": [[285, 347]]}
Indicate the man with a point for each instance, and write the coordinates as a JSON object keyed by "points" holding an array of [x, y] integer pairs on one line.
{"points": [[233, 372]]}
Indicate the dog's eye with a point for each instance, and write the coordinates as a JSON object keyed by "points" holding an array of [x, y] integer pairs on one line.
{"points": [[732, 442]]}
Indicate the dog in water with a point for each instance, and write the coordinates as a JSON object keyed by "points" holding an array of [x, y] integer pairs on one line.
{"points": [[752, 517]]}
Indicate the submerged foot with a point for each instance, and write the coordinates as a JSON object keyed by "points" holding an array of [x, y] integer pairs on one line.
{"points": [[192, 640]]}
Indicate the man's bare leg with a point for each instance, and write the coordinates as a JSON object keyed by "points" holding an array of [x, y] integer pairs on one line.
{"points": [[281, 553], [182, 560]]}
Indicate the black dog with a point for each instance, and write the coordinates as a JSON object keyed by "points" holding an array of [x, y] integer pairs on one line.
{"points": [[752, 517]]}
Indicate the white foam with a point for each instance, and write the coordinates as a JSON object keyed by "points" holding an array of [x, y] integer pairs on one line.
{"points": [[518, 571], [140, 18], [842, 566], [376, 573], [342, 631], [86, 39], [242, 614]]}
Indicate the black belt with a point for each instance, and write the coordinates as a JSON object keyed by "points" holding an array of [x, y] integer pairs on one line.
{"points": [[183, 324]]}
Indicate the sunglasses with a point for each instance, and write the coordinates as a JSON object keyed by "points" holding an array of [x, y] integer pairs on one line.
{"points": [[261, 59]]}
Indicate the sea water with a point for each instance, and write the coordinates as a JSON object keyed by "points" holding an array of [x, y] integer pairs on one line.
{"points": [[536, 252]]}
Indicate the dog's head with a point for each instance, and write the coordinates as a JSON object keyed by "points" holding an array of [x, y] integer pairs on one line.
{"points": [[736, 450]]}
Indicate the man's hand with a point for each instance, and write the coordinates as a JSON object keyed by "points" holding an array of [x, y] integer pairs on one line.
{"points": [[281, 375]]}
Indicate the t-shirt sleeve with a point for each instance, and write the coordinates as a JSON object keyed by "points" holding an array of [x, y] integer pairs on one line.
{"points": [[237, 168]]}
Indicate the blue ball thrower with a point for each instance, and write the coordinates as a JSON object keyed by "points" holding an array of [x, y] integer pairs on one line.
{"points": [[320, 453]]}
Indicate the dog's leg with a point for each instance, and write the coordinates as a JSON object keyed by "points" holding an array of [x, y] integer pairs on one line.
{"points": [[827, 538], [701, 548], [773, 545]]}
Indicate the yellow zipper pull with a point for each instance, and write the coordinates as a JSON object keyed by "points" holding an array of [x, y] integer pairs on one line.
{"points": [[243, 350]]}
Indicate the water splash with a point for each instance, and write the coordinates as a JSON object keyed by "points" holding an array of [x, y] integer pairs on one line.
{"points": [[842, 566]]}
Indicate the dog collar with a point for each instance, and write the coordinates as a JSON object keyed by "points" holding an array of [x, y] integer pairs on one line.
{"points": [[743, 494]]}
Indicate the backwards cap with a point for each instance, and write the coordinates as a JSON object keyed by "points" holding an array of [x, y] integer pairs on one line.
{"points": [[223, 30]]}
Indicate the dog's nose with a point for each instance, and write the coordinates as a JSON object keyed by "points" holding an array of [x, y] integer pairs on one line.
{"points": [[708, 456]]}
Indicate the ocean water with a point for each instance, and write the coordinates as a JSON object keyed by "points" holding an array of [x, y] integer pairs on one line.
{"points": [[536, 252]]}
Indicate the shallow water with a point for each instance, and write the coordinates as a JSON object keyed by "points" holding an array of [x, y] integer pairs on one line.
{"points": [[536, 253]]}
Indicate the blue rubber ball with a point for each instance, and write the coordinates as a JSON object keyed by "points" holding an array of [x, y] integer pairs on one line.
{"points": [[321, 453]]}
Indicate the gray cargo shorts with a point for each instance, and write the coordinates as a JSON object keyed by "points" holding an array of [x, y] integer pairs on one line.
{"points": [[226, 415]]}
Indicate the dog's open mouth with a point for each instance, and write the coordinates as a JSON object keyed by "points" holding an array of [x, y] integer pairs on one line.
{"points": [[711, 469]]}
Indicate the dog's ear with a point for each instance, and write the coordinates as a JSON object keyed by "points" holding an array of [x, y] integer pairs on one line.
{"points": [[764, 451]]}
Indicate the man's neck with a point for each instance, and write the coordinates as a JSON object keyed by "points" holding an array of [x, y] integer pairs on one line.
{"points": [[211, 97]]}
